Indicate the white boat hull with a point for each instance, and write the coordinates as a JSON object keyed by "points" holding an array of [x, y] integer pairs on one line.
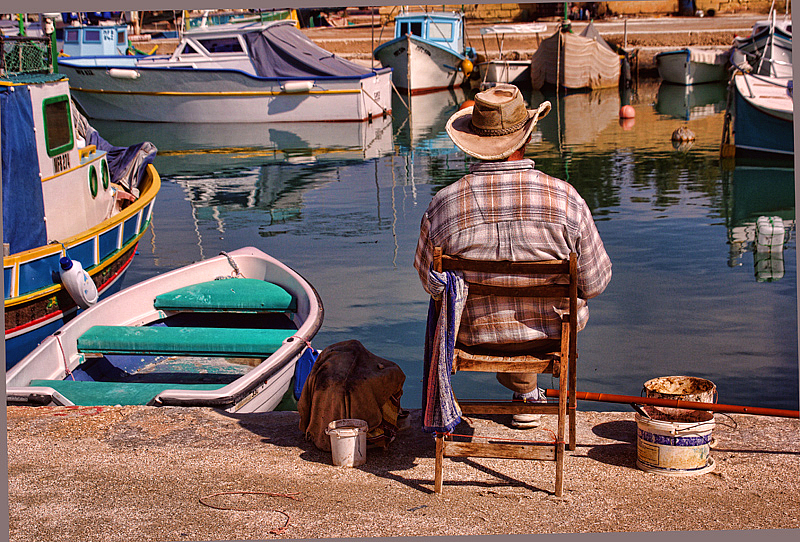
{"points": [[516, 72], [420, 66], [680, 68], [100, 87], [259, 390]]}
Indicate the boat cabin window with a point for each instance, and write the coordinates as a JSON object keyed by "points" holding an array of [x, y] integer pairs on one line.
{"points": [[57, 124], [188, 49], [121, 37], [222, 45], [92, 36], [410, 27], [440, 31], [71, 36]]}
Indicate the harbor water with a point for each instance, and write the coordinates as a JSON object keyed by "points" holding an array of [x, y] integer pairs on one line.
{"points": [[341, 203]]}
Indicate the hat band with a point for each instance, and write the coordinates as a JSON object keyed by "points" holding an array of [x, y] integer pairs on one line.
{"points": [[497, 131]]}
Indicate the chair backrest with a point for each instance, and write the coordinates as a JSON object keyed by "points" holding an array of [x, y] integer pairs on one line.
{"points": [[565, 268]]}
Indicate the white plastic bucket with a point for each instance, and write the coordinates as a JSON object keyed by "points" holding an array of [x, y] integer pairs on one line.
{"points": [[348, 442], [674, 448]]}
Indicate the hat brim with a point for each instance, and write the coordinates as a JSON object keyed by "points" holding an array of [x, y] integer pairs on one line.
{"points": [[484, 147]]}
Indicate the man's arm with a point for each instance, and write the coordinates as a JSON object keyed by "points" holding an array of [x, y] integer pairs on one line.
{"points": [[594, 265], [424, 255]]}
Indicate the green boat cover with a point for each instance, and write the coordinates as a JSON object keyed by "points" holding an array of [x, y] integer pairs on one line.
{"points": [[236, 295], [188, 341], [89, 393]]}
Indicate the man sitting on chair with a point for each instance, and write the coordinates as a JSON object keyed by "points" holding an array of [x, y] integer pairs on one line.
{"points": [[504, 209]]}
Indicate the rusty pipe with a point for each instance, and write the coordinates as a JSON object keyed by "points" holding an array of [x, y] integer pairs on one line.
{"points": [[676, 403]]}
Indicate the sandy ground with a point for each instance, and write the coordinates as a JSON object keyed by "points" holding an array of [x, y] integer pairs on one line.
{"points": [[147, 473]]}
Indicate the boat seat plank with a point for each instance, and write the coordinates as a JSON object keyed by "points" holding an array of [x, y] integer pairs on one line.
{"points": [[237, 295], [188, 341], [89, 393]]}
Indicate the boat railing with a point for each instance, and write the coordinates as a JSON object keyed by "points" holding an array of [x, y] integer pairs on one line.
{"points": [[25, 55], [764, 79]]}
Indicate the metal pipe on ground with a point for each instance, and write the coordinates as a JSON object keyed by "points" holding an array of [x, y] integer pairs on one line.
{"points": [[675, 403]]}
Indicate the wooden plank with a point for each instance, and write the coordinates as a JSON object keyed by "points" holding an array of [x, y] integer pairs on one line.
{"points": [[550, 267], [541, 452], [511, 364], [544, 290], [507, 407]]}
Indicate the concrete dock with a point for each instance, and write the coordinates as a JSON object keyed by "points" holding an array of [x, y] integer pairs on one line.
{"points": [[148, 473]]}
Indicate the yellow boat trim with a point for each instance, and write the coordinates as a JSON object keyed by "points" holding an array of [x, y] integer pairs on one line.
{"points": [[86, 151], [149, 193], [212, 94], [57, 287]]}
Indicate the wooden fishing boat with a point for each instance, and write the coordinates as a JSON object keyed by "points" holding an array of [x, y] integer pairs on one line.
{"points": [[225, 332], [768, 48], [692, 65], [231, 73], [428, 52], [575, 61], [762, 114], [66, 193]]}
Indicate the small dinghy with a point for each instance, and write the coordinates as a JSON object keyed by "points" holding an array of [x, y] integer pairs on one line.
{"points": [[226, 333]]}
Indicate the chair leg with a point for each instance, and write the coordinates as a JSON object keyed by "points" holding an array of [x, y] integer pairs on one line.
{"points": [[437, 482], [563, 376], [573, 402]]}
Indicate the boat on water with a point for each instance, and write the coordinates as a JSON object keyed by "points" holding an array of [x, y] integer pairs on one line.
{"points": [[67, 195], [503, 69], [428, 52], [693, 65], [265, 71], [760, 119], [768, 48], [226, 332], [575, 61]]}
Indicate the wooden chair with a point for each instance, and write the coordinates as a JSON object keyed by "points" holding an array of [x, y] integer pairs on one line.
{"points": [[560, 363]]}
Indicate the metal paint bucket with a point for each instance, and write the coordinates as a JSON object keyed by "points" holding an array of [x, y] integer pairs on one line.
{"points": [[682, 388], [674, 448]]}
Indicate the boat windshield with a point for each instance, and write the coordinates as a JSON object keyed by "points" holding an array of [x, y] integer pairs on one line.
{"points": [[440, 31], [229, 44]]}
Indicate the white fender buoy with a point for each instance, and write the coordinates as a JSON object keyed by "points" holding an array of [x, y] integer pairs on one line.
{"points": [[120, 73], [78, 283], [297, 86]]}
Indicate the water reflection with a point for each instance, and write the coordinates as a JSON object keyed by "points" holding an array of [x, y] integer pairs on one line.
{"points": [[348, 220], [690, 102], [753, 196]]}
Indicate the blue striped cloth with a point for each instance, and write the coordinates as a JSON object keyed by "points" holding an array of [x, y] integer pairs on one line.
{"points": [[441, 412]]}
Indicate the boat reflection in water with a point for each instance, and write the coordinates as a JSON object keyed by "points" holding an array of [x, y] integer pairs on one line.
{"points": [[760, 217], [420, 120], [691, 102], [568, 124]]}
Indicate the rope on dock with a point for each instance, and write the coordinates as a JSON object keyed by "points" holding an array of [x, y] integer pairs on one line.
{"points": [[277, 530]]}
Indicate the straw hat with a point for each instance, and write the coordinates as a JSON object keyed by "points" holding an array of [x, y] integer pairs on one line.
{"points": [[497, 125]]}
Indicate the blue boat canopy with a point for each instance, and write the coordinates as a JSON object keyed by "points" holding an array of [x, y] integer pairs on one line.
{"points": [[23, 201], [280, 50]]}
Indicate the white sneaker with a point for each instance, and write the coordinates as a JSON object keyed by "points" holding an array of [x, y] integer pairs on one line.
{"points": [[528, 421]]}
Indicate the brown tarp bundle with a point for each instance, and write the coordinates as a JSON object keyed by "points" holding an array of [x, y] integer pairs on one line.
{"points": [[575, 62], [346, 382]]}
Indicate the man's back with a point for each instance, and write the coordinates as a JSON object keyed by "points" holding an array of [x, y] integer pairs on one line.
{"points": [[509, 211]]}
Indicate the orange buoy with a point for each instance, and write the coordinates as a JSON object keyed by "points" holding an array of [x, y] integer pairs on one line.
{"points": [[627, 112], [467, 103]]}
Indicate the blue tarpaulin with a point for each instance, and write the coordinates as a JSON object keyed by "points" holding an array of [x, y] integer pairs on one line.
{"points": [[23, 203]]}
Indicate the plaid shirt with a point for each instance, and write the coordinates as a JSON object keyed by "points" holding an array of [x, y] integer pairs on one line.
{"points": [[510, 211]]}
